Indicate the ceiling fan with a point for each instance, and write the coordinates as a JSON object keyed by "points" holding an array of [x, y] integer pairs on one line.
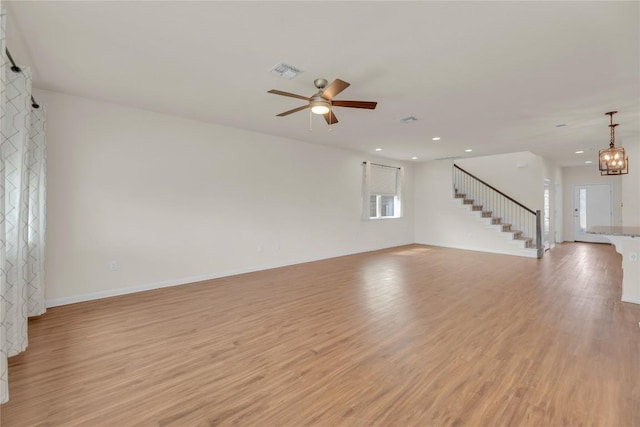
{"points": [[322, 102]]}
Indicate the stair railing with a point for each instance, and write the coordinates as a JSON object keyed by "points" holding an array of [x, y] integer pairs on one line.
{"points": [[504, 209]]}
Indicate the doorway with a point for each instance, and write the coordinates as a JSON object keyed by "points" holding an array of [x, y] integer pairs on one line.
{"points": [[591, 206], [547, 215]]}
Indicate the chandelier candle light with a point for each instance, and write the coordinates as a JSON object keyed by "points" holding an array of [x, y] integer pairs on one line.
{"points": [[613, 161]]}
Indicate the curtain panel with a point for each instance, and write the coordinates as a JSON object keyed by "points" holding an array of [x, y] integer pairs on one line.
{"points": [[22, 211], [366, 190]]}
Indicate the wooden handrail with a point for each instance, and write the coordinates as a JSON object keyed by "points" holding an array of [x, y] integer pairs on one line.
{"points": [[496, 190]]}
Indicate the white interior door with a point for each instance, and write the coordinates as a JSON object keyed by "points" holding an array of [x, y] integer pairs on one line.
{"points": [[592, 206], [557, 207]]}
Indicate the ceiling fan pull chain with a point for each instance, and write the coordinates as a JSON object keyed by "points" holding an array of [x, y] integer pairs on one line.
{"points": [[310, 121]]}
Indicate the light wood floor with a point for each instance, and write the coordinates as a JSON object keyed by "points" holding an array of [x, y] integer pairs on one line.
{"points": [[415, 335]]}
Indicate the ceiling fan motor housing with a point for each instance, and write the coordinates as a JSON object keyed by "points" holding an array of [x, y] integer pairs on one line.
{"points": [[320, 83]]}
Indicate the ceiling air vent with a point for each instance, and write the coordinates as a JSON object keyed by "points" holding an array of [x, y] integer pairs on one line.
{"points": [[285, 71], [409, 119]]}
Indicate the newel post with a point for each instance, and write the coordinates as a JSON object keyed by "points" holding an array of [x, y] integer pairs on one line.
{"points": [[539, 243]]}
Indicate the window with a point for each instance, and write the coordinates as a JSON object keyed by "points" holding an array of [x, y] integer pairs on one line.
{"points": [[583, 210], [383, 206], [382, 191]]}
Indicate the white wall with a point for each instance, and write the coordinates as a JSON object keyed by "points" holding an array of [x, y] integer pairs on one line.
{"points": [[585, 175], [631, 186], [175, 200], [518, 175], [554, 174], [558, 204]]}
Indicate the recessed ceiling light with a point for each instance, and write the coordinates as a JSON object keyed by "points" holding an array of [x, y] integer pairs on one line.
{"points": [[561, 125], [580, 152], [435, 138], [414, 158], [468, 150], [588, 162], [378, 149]]}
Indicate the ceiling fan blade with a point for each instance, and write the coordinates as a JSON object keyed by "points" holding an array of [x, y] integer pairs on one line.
{"points": [[334, 88], [295, 110], [292, 95], [355, 104], [330, 118]]}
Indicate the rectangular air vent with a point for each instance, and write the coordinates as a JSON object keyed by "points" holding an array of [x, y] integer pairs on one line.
{"points": [[285, 71], [409, 119]]}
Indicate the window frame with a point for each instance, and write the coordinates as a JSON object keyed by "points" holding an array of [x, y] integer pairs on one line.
{"points": [[378, 186]]}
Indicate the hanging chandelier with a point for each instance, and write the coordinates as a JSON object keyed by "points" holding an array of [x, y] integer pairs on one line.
{"points": [[613, 160]]}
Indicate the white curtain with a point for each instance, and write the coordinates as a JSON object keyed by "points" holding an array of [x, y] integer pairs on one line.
{"points": [[22, 211], [366, 190], [384, 180]]}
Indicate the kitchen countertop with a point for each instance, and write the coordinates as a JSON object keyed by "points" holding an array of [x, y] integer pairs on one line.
{"points": [[615, 230]]}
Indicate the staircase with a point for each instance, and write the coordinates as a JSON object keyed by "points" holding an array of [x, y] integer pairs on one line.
{"points": [[496, 220], [507, 216]]}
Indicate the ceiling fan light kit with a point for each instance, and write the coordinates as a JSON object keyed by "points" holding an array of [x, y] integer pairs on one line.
{"points": [[322, 102], [319, 105]]}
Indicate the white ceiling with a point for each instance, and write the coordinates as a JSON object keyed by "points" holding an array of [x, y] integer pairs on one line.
{"points": [[494, 77]]}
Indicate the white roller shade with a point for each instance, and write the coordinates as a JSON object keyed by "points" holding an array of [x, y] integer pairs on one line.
{"points": [[384, 180]]}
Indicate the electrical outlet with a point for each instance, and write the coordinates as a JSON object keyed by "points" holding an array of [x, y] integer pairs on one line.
{"points": [[113, 265]]}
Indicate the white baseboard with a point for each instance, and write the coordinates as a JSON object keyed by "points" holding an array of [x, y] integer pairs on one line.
{"points": [[55, 302]]}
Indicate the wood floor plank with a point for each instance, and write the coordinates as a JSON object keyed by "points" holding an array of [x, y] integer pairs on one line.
{"points": [[415, 335]]}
